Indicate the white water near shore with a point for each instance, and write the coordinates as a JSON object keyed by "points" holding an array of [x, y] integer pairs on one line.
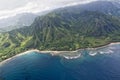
{"points": [[103, 50], [70, 54], [35, 50]]}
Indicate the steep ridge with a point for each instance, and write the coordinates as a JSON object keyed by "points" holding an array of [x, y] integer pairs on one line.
{"points": [[62, 30]]}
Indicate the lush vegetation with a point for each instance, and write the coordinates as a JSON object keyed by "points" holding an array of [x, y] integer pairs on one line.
{"points": [[62, 31]]}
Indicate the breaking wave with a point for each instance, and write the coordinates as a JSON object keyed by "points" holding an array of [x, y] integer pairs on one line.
{"points": [[92, 51], [72, 57]]}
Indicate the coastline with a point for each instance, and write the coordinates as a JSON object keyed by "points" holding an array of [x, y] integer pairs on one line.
{"points": [[106, 45], [51, 52], [35, 50], [20, 54]]}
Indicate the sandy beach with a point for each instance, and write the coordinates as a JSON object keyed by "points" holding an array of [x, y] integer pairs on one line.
{"points": [[35, 50], [7, 60], [51, 52], [114, 43]]}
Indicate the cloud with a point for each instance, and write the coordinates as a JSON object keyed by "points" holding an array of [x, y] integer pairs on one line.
{"points": [[35, 6], [80, 2]]}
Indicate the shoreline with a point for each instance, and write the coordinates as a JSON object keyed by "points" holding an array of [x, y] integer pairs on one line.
{"points": [[35, 50], [52, 52], [109, 44]]}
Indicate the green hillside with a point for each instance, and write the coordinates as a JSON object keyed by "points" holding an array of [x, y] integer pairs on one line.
{"points": [[62, 31]]}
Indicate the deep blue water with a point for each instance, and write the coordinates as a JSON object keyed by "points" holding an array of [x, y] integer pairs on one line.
{"points": [[36, 66]]}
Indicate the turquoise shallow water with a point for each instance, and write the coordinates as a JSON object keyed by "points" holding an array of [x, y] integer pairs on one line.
{"points": [[37, 66]]}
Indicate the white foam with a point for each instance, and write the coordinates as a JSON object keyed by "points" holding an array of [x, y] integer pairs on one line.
{"points": [[72, 57], [93, 53], [105, 50]]}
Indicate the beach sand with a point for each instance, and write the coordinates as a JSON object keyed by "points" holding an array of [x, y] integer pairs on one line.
{"points": [[51, 52], [35, 50]]}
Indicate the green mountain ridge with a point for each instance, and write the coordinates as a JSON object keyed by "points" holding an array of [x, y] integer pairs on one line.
{"points": [[62, 31]]}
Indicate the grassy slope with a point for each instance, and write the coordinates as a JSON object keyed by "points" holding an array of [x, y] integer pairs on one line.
{"points": [[61, 31]]}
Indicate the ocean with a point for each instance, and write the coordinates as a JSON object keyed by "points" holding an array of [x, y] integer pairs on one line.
{"points": [[88, 64]]}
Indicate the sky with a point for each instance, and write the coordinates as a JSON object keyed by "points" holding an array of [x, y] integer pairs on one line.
{"points": [[10, 8]]}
